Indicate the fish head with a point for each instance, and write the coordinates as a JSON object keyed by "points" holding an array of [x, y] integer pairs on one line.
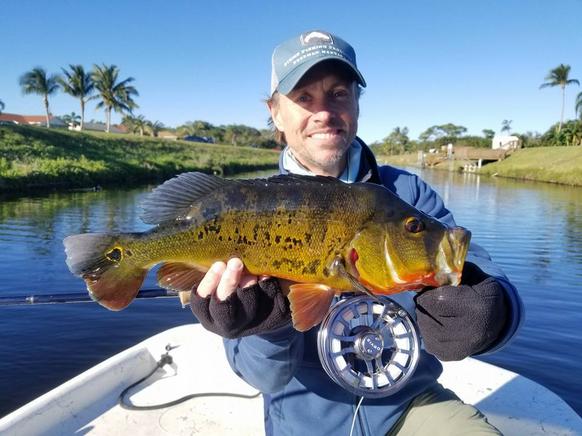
{"points": [[410, 250]]}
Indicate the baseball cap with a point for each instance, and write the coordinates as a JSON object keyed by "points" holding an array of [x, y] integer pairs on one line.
{"points": [[294, 57]]}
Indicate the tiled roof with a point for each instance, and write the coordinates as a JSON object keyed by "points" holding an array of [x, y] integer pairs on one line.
{"points": [[24, 119]]}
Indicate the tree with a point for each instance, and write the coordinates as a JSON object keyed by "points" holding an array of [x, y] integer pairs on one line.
{"points": [[2, 106], [559, 76], [140, 124], [579, 105], [77, 83], [154, 127], [72, 118], [38, 82], [506, 126], [452, 130], [488, 133], [448, 130], [115, 95], [397, 141]]}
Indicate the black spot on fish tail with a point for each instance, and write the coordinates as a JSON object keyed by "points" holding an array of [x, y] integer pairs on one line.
{"points": [[115, 255]]}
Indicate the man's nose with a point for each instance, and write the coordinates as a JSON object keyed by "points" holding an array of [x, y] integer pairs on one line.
{"points": [[324, 111]]}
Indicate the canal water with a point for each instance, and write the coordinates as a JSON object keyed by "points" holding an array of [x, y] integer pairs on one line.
{"points": [[533, 230]]}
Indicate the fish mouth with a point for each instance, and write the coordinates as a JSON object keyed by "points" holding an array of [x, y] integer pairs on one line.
{"points": [[451, 256]]}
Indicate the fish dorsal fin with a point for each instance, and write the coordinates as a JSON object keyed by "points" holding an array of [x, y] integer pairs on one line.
{"points": [[173, 199]]}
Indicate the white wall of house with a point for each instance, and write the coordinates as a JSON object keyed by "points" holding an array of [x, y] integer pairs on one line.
{"points": [[505, 142]]}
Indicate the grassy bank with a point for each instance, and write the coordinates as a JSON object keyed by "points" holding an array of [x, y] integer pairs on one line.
{"points": [[33, 158], [544, 164]]}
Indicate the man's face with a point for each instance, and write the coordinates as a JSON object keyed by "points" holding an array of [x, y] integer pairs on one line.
{"points": [[319, 118]]}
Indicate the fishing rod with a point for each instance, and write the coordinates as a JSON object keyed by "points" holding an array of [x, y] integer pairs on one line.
{"points": [[75, 297]]}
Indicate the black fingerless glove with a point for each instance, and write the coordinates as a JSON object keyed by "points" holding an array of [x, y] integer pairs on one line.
{"points": [[248, 311], [459, 321]]}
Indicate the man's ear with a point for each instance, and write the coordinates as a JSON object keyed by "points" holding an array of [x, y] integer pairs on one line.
{"points": [[275, 116]]}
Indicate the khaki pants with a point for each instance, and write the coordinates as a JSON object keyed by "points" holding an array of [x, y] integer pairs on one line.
{"points": [[439, 412]]}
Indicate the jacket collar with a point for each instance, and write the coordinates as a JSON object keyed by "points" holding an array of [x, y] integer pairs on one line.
{"points": [[367, 170]]}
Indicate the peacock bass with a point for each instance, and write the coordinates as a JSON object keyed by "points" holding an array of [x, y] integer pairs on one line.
{"points": [[327, 236]]}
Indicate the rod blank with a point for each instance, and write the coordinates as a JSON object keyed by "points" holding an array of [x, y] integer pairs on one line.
{"points": [[74, 297]]}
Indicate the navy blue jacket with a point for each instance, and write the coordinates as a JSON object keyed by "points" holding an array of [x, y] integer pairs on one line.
{"points": [[300, 399]]}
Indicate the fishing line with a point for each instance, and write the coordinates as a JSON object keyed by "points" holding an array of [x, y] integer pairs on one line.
{"points": [[166, 359], [355, 415]]}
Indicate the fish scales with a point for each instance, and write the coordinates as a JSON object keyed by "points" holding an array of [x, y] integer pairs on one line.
{"points": [[326, 236], [274, 229]]}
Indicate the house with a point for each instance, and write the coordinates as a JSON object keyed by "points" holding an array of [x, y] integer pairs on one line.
{"points": [[164, 134], [508, 142], [32, 120], [100, 127]]}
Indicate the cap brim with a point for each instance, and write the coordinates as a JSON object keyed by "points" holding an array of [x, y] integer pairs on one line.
{"points": [[286, 85]]}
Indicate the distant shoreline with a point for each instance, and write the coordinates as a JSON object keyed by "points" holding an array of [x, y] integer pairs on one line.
{"points": [[561, 165], [37, 160]]}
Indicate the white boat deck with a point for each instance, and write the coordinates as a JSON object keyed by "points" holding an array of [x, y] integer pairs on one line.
{"points": [[87, 404]]}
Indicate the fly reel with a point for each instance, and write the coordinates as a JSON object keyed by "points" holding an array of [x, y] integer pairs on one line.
{"points": [[369, 346]]}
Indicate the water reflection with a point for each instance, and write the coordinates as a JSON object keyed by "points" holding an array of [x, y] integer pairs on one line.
{"points": [[533, 230]]}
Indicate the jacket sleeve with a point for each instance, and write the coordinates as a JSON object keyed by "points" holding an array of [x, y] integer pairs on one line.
{"points": [[266, 361], [419, 194]]}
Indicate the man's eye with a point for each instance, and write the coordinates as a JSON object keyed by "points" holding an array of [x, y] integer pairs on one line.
{"points": [[340, 93], [303, 98]]}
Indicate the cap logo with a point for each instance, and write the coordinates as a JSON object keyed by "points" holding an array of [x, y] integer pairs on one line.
{"points": [[316, 38]]}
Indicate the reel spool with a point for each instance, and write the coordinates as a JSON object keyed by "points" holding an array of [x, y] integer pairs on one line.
{"points": [[369, 347]]}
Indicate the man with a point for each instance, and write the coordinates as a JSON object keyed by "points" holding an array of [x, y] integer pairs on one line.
{"points": [[314, 107]]}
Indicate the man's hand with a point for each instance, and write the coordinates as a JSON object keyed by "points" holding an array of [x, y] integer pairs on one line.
{"points": [[233, 303], [459, 321]]}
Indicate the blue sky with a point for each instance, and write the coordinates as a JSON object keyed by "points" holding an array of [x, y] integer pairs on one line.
{"points": [[473, 63]]}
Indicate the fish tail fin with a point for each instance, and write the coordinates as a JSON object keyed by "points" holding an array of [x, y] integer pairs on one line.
{"points": [[309, 304], [103, 262]]}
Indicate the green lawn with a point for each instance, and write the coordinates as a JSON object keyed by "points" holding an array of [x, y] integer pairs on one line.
{"points": [[545, 164], [33, 157]]}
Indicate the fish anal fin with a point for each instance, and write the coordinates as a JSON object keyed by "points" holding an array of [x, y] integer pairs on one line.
{"points": [[114, 290], [180, 277], [309, 303]]}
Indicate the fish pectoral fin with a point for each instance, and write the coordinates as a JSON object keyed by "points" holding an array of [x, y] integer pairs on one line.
{"points": [[180, 277], [309, 303]]}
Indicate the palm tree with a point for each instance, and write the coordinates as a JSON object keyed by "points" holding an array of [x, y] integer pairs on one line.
{"points": [[117, 96], [579, 105], [72, 119], [77, 83], [139, 124], [506, 126], [38, 82], [559, 77], [154, 127], [2, 106]]}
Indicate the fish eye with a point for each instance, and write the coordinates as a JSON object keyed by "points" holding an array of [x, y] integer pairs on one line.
{"points": [[413, 225]]}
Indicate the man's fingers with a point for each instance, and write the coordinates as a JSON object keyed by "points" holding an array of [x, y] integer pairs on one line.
{"points": [[230, 278], [247, 280], [210, 281]]}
